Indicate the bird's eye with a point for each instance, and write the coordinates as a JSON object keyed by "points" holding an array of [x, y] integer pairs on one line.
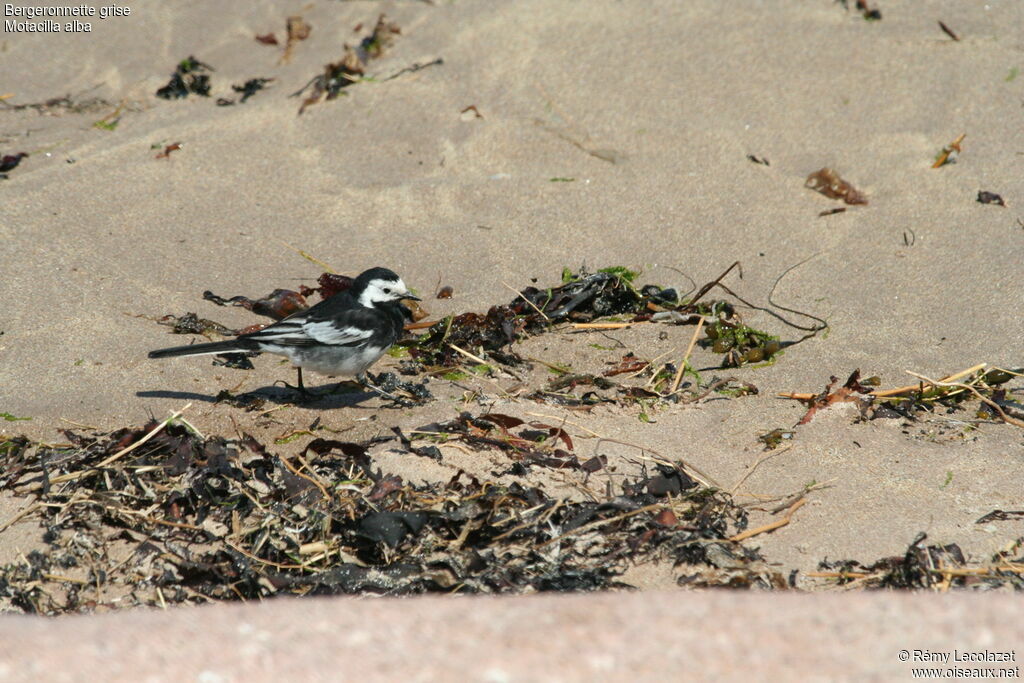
{"points": [[387, 290]]}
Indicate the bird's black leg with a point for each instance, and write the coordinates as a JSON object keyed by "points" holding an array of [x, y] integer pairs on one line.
{"points": [[301, 389]]}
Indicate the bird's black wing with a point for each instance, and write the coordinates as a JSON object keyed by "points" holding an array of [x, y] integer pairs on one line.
{"points": [[337, 321]]}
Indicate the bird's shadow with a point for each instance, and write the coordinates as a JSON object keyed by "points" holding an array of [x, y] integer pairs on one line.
{"points": [[327, 397]]}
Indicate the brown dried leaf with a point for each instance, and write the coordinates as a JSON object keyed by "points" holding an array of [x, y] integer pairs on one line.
{"points": [[827, 182]]}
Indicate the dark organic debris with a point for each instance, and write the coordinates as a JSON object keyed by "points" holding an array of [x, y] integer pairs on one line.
{"points": [[581, 299], [190, 323], [869, 13], [236, 361], [336, 76], [445, 292], [1001, 516], [9, 162], [535, 443], [194, 519], [866, 11], [190, 76], [827, 182], [247, 89], [990, 198], [380, 39], [267, 39], [937, 567], [247, 401], [352, 65], [831, 212], [417, 392], [629, 363], [763, 161], [948, 31]]}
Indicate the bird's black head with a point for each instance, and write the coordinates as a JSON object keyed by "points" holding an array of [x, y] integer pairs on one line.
{"points": [[380, 285]]}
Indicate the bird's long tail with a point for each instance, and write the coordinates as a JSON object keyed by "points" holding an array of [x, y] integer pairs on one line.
{"points": [[230, 346]]}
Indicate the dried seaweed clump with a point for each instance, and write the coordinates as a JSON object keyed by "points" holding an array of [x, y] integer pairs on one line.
{"points": [[352, 65], [163, 515], [580, 298], [190, 76]]}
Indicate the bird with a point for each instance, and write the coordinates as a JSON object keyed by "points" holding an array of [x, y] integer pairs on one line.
{"points": [[342, 335]]}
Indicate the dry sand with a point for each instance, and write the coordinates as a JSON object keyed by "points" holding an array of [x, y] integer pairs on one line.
{"points": [[96, 233]]}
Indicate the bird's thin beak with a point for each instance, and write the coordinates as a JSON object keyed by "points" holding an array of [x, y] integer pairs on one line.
{"points": [[411, 296]]}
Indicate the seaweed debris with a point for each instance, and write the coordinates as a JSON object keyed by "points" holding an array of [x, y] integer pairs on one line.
{"points": [[279, 304], [160, 515], [190, 76], [582, 298], [352, 65], [247, 90], [932, 567]]}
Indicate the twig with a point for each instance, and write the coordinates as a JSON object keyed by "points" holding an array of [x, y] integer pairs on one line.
{"points": [[421, 325], [261, 560], [26, 511], [772, 526], [767, 456], [605, 326], [909, 389], [700, 476], [601, 522], [838, 575], [570, 422], [79, 424], [532, 305], [556, 368], [987, 401], [469, 355], [311, 480], [686, 357], [707, 287], [309, 257]]}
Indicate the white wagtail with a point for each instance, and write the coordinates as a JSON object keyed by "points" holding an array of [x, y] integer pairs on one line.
{"points": [[343, 335]]}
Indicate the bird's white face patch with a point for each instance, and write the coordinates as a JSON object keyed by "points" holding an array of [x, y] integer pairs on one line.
{"points": [[379, 291]]}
